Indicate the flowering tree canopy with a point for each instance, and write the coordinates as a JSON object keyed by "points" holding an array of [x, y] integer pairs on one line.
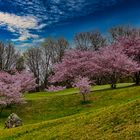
{"points": [[131, 47], [75, 63], [114, 63], [12, 87], [53, 88], [109, 61], [83, 84]]}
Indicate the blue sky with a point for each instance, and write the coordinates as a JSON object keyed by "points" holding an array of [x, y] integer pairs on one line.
{"points": [[28, 22]]}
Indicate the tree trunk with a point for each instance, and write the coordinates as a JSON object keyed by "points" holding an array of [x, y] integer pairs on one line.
{"points": [[99, 81], [1, 110], [113, 86], [137, 78], [38, 87], [113, 81], [84, 97], [45, 84]]}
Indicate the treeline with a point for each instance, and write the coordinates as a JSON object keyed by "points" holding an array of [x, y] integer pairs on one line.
{"points": [[40, 60]]}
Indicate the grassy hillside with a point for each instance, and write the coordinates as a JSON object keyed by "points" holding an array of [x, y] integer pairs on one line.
{"points": [[110, 114]]}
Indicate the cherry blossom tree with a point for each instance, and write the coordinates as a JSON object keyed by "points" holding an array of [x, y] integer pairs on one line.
{"points": [[114, 63], [75, 63], [26, 80], [131, 47], [83, 84], [110, 62], [12, 87], [129, 39]]}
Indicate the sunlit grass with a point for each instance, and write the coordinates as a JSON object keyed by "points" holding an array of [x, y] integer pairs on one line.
{"points": [[40, 95], [110, 114]]}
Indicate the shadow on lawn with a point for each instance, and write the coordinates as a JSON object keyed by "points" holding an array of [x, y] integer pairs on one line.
{"points": [[106, 89]]}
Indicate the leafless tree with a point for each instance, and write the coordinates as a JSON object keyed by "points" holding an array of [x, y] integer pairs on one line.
{"points": [[33, 59], [123, 31], [83, 40], [89, 40], [39, 60], [97, 41], [8, 57], [49, 57], [61, 46], [52, 52], [20, 64]]}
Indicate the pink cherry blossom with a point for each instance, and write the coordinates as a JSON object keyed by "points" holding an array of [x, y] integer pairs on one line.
{"points": [[110, 61], [55, 88], [114, 63], [83, 84], [131, 47], [75, 63], [12, 87]]}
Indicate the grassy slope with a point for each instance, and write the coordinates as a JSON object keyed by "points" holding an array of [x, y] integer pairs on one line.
{"points": [[111, 114]]}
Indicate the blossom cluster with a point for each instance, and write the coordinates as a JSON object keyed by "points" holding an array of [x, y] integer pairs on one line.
{"points": [[12, 87], [83, 84], [53, 88], [110, 61]]}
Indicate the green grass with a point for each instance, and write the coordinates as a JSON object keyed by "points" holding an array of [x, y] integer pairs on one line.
{"points": [[43, 95], [110, 114]]}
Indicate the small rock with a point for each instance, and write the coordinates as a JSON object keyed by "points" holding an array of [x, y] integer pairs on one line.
{"points": [[13, 121]]}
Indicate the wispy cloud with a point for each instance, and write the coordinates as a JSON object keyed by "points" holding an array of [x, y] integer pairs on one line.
{"points": [[52, 11], [25, 35], [32, 16], [18, 22], [21, 25]]}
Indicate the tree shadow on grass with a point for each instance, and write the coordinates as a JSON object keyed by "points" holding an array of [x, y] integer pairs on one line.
{"points": [[86, 102], [107, 89]]}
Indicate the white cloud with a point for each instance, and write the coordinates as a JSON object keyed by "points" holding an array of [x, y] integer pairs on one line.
{"points": [[11, 29], [20, 25], [24, 35], [41, 26], [24, 22], [23, 46], [40, 40]]}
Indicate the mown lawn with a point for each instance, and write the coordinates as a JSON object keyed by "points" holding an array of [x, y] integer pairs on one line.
{"points": [[109, 114], [40, 95]]}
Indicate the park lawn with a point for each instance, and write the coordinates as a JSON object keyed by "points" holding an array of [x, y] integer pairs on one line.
{"points": [[42, 95], [119, 122], [109, 114]]}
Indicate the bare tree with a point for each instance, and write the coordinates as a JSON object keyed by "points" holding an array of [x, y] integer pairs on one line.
{"points": [[89, 40], [20, 64], [52, 52], [97, 41], [83, 40], [8, 57], [61, 46], [123, 31], [39, 60], [2, 55], [33, 61], [49, 57]]}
